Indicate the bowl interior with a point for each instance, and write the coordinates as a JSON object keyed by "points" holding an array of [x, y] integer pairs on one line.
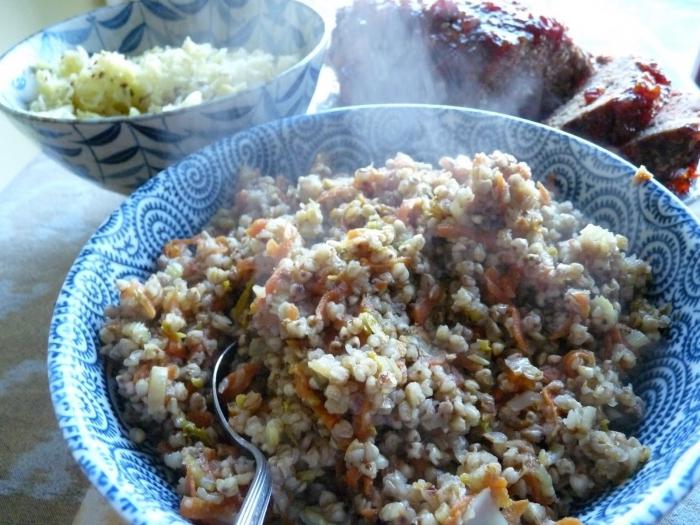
{"points": [[179, 202], [277, 26]]}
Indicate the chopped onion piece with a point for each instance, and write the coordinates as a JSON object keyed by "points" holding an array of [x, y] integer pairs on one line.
{"points": [[156, 389]]}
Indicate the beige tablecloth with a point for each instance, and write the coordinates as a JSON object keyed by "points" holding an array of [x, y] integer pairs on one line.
{"points": [[46, 215]]}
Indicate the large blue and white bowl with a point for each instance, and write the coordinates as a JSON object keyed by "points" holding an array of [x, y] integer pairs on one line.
{"points": [[122, 152], [180, 201]]}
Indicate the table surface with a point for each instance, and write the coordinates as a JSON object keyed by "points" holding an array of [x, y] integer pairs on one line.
{"points": [[47, 214]]}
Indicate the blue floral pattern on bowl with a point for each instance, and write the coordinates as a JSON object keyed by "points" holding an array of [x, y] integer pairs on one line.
{"points": [[179, 202], [121, 153]]}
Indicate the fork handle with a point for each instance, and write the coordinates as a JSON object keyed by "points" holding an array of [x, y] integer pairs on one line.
{"points": [[257, 498]]}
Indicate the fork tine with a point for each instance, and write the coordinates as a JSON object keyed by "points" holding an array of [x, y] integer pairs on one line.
{"points": [[256, 501]]}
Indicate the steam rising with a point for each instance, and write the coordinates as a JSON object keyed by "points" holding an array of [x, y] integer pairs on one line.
{"points": [[470, 53]]}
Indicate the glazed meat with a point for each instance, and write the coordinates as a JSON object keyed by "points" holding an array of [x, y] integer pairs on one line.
{"points": [[620, 99], [670, 146], [488, 55], [500, 56]]}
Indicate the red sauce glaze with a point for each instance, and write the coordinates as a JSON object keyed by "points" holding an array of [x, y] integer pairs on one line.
{"points": [[683, 180], [653, 70], [486, 32], [592, 94], [628, 111], [458, 24]]}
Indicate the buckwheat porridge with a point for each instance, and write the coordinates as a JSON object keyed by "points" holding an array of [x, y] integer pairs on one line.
{"points": [[433, 345]]}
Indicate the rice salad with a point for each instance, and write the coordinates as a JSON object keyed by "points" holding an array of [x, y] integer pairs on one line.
{"points": [[108, 83], [445, 345]]}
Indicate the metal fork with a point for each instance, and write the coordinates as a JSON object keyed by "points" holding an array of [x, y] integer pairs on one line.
{"points": [[257, 498]]}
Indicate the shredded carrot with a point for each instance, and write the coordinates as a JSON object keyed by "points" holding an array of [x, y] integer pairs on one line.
{"points": [[369, 513], [522, 226], [142, 371], [381, 267], [574, 358], [278, 250], [516, 330], [218, 304], [367, 486], [569, 521], [409, 211], [453, 231], [583, 303], [362, 421], [550, 409], [491, 279], [502, 288], [458, 509], [352, 477], [224, 450], [317, 284], [239, 380], [498, 394], [274, 281], [562, 332], [499, 488], [256, 227], [514, 512], [420, 310], [174, 248], [545, 197], [345, 193], [190, 487], [245, 266], [610, 339], [615, 335], [312, 399], [381, 286], [221, 240], [499, 188], [376, 183], [510, 281], [535, 489], [201, 418], [335, 294], [194, 508], [176, 349], [519, 381]]}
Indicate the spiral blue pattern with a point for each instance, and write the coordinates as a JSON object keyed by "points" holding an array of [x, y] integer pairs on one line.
{"points": [[122, 153], [181, 200]]}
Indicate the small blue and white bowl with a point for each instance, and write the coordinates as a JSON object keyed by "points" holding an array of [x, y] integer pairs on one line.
{"points": [[180, 201], [122, 152]]}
